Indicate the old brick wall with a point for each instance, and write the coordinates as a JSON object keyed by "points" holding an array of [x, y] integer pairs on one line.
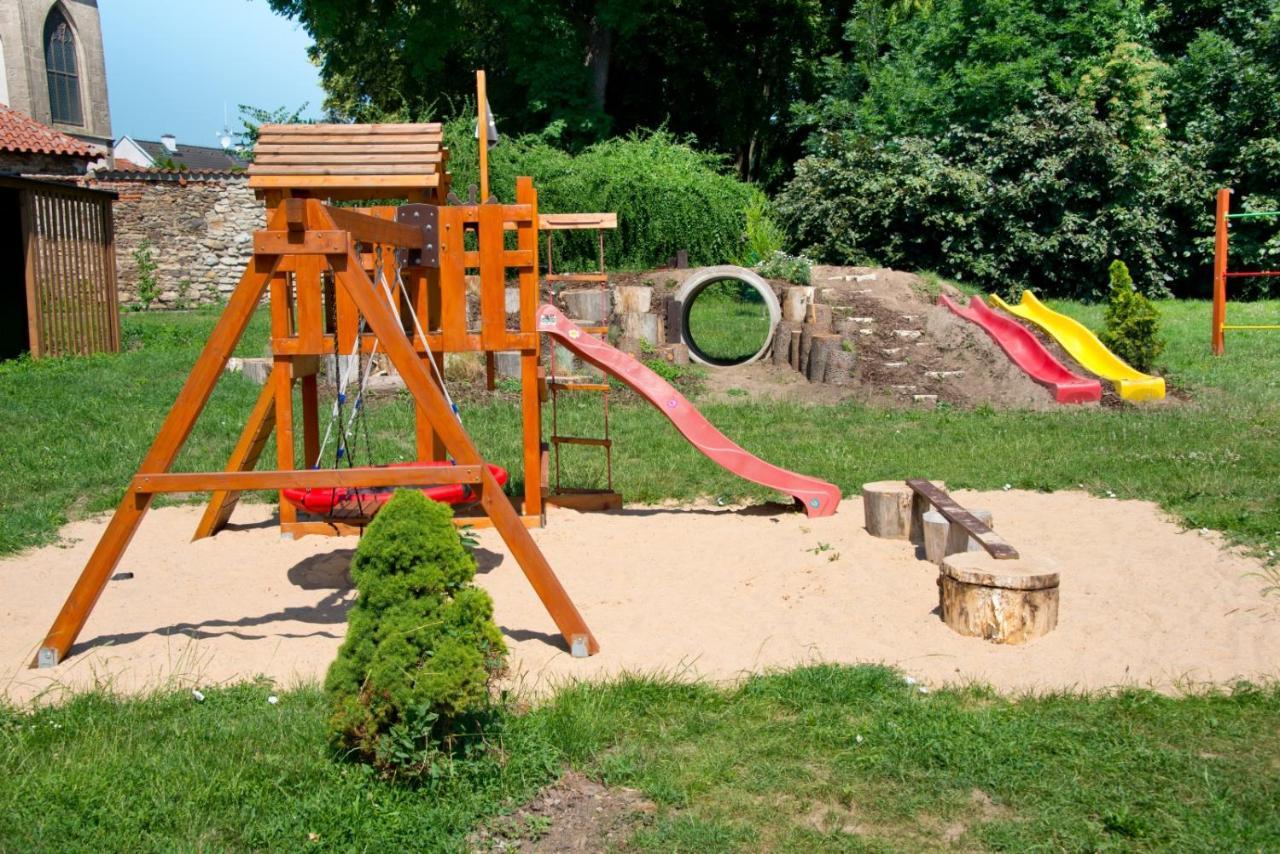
{"points": [[200, 232]]}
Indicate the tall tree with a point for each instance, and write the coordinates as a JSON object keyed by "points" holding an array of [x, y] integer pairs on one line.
{"points": [[723, 71]]}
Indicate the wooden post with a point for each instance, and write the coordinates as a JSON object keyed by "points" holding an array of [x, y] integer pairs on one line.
{"points": [[782, 341], [482, 129], [1004, 601], [822, 346], [253, 438], [1220, 246], [168, 442], [941, 538]]}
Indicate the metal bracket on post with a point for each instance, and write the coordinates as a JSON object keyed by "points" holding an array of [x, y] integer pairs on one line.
{"points": [[580, 648], [426, 217], [47, 657]]}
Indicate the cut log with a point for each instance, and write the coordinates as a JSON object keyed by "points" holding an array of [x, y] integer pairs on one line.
{"points": [[795, 302], [632, 299], [1003, 601], [920, 506], [676, 354], [793, 352], [886, 505], [782, 341], [635, 325], [821, 348], [591, 305], [807, 331], [941, 538], [819, 315], [840, 365]]}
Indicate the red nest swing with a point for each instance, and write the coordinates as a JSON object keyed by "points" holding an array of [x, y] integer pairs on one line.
{"points": [[349, 502]]}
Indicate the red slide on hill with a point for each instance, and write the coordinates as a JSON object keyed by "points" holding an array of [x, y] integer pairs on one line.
{"points": [[818, 497], [1026, 351]]}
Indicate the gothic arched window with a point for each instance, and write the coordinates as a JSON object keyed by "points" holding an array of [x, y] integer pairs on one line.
{"points": [[60, 66]]}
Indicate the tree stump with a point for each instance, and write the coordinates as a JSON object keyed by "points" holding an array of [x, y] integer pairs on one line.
{"points": [[821, 348], [591, 305], [941, 538], [782, 341], [795, 303], [887, 508], [819, 315], [793, 351], [840, 365], [632, 299], [1003, 601], [920, 506], [807, 331]]}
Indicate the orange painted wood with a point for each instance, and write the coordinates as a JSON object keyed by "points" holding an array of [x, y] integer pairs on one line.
{"points": [[173, 433], [310, 419], [304, 243], [244, 457], [356, 477], [315, 147], [362, 182], [309, 301], [453, 295], [373, 228], [495, 503], [530, 387], [493, 277], [286, 451], [575, 221]]}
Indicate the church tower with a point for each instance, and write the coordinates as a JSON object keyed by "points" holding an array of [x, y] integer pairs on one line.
{"points": [[52, 66]]}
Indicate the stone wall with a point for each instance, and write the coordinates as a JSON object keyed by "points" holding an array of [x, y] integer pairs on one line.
{"points": [[200, 229]]}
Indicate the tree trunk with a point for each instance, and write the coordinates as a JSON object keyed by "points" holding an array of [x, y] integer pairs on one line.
{"points": [[840, 365], [1004, 601], [821, 348], [599, 52], [887, 508], [782, 341]]}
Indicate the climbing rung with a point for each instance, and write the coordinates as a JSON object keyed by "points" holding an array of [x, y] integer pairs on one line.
{"points": [[579, 386], [581, 440], [577, 277]]}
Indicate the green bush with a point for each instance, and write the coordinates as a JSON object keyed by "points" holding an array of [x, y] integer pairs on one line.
{"points": [[411, 684], [1133, 323], [790, 268], [763, 238], [667, 195]]}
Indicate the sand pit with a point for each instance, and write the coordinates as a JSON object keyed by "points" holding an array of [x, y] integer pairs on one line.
{"points": [[701, 592]]}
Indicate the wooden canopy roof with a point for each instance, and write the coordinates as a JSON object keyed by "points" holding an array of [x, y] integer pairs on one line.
{"points": [[330, 159]]}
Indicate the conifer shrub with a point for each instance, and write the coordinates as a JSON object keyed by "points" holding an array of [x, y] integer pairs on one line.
{"points": [[1133, 323], [410, 687]]}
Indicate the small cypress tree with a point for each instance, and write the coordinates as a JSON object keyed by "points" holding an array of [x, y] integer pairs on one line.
{"points": [[1133, 323], [421, 649]]}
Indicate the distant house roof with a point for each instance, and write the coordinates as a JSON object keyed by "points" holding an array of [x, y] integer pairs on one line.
{"points": [[193, 157], [23, 134]]}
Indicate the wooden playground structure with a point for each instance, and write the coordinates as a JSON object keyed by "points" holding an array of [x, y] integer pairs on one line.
{"points": [[348, 283], [1221, 249]]}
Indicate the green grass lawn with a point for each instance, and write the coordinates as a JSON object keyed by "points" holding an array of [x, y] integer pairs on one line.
{"points": [[728, 321], [818, 758], [826, 757]]}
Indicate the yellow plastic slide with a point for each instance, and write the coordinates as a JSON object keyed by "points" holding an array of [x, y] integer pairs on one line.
{"points": [[1086, 349]]}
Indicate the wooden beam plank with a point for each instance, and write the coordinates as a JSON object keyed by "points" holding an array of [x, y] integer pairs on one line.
{"points": [[367, 228], [370, 157], [957, 515], [574, 221], [332, 242], [357, 477], [363, 183], [349, 170], [310, 146], [373, 128]]}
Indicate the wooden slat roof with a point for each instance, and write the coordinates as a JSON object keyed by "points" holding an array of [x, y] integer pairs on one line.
{"points": [[338, 156]]}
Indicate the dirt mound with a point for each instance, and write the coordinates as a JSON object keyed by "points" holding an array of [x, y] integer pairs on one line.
{"points": [[573, 814], [910, 351]]}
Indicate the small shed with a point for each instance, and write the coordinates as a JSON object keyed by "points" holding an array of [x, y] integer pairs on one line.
{"points": [[57, 270]]}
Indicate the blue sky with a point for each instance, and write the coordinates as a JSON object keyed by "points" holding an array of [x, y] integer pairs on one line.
{"points": [[172, 65]]}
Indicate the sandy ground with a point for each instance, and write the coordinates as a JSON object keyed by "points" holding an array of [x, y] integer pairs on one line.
{"points": [[698, 592]]}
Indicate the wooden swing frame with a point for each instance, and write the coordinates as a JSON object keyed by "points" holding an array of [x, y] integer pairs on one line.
{"points": [[314, 260]]}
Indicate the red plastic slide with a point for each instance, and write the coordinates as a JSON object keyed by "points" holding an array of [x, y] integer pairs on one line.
{"points": [[1026, 351], [818, 497]]}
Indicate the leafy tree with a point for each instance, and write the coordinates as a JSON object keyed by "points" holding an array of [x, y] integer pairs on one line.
{"points": [[721, 70]]}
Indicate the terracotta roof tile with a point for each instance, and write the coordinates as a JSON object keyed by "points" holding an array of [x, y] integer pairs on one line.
{"points": [[23, 134]]}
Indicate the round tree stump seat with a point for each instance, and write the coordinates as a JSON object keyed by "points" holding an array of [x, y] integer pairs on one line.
{"points": [[1003, 601]]}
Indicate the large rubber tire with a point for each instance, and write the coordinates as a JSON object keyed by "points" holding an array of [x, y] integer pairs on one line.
{"points": [[707, 276]]}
